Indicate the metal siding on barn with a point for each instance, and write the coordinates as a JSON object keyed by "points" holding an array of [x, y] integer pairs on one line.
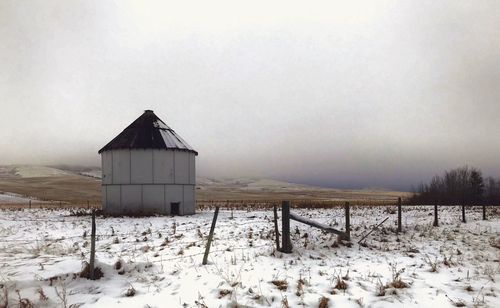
{"points": [[113, 199], [181, 167], [192, 169], [145, 167], [153, 198], [131, 199], [141, 166], [121, 166], [163, 165], [189, 203], [173, 193], [107, 165], [103, 198]]}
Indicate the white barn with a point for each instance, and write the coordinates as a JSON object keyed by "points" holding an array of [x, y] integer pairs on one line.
{"points": [[148, 169]]}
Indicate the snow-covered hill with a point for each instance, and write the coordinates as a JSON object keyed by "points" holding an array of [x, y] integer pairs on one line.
{"points": [[249, 183]]}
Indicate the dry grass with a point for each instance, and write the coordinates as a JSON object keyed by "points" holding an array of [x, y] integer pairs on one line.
{"points": [[130, 291], [4, 297], [324, 302], [284, 302], [282, 285], [431, 263], [457, 302], [397, 282], [224, 292], [85, 272], [41, 294], [300, 287], [23, 302], [380, 288], [340, 284]]}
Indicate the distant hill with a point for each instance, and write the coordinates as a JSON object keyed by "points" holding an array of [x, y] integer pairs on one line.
{"points": [[48, 183], [252, 188], [79, 184]]}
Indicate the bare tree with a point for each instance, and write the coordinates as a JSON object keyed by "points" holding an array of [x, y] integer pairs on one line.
{"points": [[460, 186]]}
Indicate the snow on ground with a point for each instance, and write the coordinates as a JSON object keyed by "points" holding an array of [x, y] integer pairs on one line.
{"points": [[32, 171], [6, 197], [156, 261]]}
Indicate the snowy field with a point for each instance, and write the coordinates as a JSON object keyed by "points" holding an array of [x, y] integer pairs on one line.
{"points": [[156, 261]]}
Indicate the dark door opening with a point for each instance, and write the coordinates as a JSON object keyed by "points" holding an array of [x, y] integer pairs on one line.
{"points": [[174, 208]]}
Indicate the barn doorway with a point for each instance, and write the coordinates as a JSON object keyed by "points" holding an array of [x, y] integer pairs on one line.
{"points": [[175, 208]]}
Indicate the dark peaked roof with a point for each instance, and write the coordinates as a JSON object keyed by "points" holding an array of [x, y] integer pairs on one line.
{"points": [[148, 132]]}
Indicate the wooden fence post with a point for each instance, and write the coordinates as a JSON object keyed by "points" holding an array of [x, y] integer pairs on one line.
{"points": [[436, 223], [484, 211], [210, 236], [286, 243], [92, 248], [30, 203], [463, 214], [275, 210], [347, 222], [400, 228]]}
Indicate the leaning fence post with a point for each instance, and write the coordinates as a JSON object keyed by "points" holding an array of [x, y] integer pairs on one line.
{"points": [[286, 244], [210, 236], [484, 211], [92, 248], [463, 213], [275, 210], [347, 222], [435, 224], [400, 228]]}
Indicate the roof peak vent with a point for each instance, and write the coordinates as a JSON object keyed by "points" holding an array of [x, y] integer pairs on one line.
{"points": [[148, 111]]}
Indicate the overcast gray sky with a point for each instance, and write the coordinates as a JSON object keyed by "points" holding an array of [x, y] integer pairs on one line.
{"points": [[346, 94]]}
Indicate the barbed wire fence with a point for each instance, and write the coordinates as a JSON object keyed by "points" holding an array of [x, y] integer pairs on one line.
{"points": [[172, 238], [172, 235]]}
